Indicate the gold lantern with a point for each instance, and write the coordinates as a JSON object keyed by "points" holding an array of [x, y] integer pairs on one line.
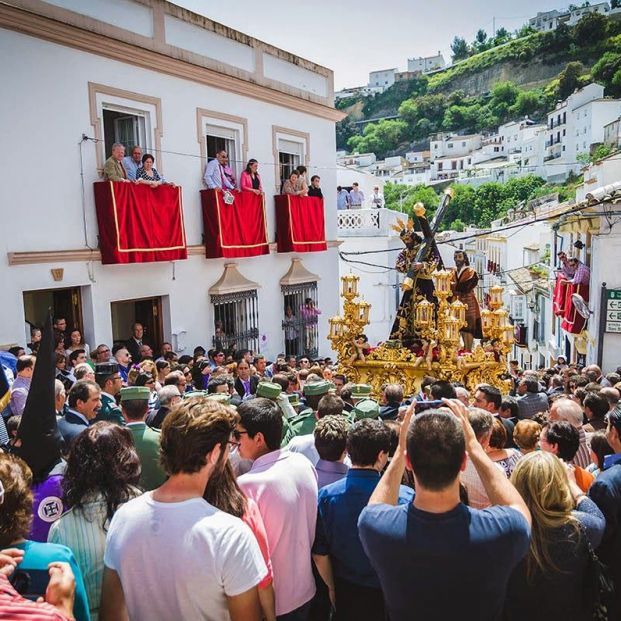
{"points": [[495, 296], [458, 310], [336, 326], [442, 283], [424, 313], [451, 328], [363, 312], [487, 320], [500, 318], [350, 286], [508, 334]]}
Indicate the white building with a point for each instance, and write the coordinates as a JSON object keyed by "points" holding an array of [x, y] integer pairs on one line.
{"points": [[382, 79], [181, 86], [612, 134], [423, 64], [575, 125], [548, 20], [575, 15]]}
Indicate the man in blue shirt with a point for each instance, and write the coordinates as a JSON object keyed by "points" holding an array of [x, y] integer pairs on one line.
{"points": [[342, 198], [436, 558], [352, 583], [133, 162], [605, 492]]}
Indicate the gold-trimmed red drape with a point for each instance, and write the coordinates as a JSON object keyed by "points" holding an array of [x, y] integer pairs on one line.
{"points": [[300, 223], [235, 230], [139, 223], [572, 321]]}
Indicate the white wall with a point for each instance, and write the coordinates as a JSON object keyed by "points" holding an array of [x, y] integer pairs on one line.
{"points": [[44, 111]]}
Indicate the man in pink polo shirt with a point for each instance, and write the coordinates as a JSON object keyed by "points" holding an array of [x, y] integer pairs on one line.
{"points": [[284, 486]]}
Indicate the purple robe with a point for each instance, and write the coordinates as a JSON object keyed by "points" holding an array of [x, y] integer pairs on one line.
{"points": [[47, 506]]}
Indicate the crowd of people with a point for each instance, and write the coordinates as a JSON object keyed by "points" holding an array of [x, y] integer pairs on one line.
{"points": [[228, 486]]}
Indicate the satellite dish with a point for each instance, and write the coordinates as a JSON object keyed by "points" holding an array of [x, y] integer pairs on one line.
{"points": [[581, 306]]}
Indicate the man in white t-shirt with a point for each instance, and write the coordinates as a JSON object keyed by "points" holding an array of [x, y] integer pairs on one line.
{"points": [[284, 486], [170, 554]]}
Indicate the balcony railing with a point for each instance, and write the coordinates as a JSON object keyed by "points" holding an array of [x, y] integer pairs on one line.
{"points": [[367, 222]]}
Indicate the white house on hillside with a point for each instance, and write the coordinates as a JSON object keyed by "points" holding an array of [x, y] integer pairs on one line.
{"points": [[423, 64], [383, 78], [80, 76]]}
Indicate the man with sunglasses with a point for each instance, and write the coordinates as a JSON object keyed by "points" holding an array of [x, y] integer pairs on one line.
{"points": [[109, 379], [284, 486]]}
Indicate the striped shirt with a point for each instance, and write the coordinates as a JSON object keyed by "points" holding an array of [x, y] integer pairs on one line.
{"points": [[14, 606], [82, 530], [583, 456]]}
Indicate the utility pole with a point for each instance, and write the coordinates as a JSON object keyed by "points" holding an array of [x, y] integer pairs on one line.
{"points": [[494, 26]]}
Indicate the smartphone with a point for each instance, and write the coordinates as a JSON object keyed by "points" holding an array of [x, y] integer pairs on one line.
{"points": [[421, 406]]}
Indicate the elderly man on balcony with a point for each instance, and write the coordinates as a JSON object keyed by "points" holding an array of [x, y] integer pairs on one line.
{"points": [[216, 174], [113, 168]]}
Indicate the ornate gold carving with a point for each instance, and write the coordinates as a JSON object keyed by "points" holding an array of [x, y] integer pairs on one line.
{"points": [[439, 325]]}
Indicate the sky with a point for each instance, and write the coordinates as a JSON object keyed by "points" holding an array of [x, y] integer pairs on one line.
{"points": [[355, 37]]}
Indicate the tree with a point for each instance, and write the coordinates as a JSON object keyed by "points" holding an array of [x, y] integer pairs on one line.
{"points": [[462, 117], [591, 28], [379, 138], [502, 36], [527, 103], [481, 36], [459, 49], [568, 79], [614, 4]]}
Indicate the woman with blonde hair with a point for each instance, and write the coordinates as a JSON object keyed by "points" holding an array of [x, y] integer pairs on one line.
{"points": [[526, 435], [551, 582]]}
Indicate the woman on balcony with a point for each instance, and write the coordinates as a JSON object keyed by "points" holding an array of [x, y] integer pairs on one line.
{"points": [[148, 174], [293, 186], [250, 180]]}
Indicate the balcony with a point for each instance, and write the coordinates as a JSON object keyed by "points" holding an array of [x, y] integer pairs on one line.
{"points": [[367, 222]]}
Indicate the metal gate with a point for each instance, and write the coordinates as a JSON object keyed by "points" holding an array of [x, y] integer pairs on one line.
{"points": [[237, 316], [300, 323]]}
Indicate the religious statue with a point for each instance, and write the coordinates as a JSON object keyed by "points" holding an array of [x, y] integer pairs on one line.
{"points": [[464, 282], [418, 261]]}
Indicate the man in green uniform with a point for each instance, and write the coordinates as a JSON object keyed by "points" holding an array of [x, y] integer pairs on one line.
{"points": [[304, 423], [135, 405], [108, 377]]}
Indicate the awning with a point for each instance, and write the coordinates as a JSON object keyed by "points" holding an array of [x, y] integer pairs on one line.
{"points": [[297, 274], [232, 281]]}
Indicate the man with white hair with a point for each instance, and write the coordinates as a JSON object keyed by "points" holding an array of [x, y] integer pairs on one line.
{"points": [[84, 371], [113, 168], [169, 396], [569, 411], [60, 396], [594, 374], [463, 395]]}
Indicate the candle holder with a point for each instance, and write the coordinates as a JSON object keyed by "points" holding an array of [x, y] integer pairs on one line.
{"points": [[350, 286], [495, 297], [424, 314], [363, 312], [458, 310], [487, 321], [442, 283]]}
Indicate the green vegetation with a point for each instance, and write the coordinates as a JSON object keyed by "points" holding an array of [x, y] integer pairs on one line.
{"points": [[591, 51], [480, 205]]}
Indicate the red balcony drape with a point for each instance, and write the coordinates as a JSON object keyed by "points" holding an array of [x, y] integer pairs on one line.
{"points": [[235, 230], [139, 223], [300, 224], [560, 293], [572, 321]]}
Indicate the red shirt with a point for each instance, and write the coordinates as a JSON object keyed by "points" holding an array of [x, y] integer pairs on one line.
{"points": [[13, 607]]}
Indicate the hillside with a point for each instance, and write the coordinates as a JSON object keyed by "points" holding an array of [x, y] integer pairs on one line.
{"points": [[524, 76]]}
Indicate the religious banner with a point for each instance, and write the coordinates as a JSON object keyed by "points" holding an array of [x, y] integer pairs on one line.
{"points": [[236, 229], [139, 223], [573, 322], [300, 224]]}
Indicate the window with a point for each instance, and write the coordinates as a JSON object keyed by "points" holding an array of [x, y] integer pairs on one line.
{"points": [[129, 127], [300, 325], [291, 148], [450, 145], [463, 144], [223, 139], [126, 117], [236, 320]]}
